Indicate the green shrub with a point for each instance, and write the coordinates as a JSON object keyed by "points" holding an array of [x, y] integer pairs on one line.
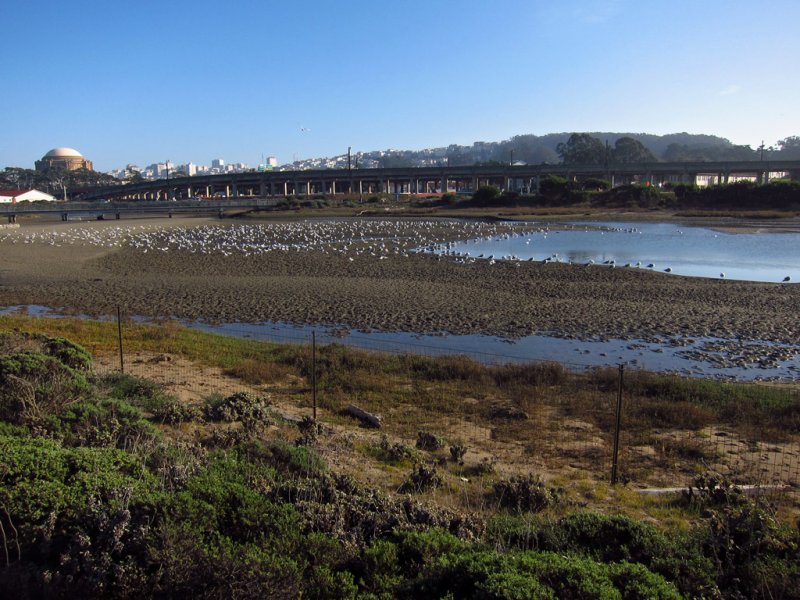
{"points": [[172, 411], [101, 423], [486, 574], [284, 457], [69, 353], [137, 391], [421, 479], [239, 407], [524, 493], [35, 385]]}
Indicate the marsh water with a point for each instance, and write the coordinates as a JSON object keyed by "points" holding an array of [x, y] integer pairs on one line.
{"points": [[685, 251], [689, 251]]}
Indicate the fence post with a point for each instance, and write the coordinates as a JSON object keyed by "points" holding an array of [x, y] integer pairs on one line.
{"points": [[615, 456], [119, 336], [314, 371]]}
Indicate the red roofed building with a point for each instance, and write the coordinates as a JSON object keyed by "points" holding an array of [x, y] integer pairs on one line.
{"points": [[14, 196]]}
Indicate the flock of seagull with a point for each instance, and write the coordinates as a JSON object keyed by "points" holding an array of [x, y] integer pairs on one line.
{"points": [[376, 238]]}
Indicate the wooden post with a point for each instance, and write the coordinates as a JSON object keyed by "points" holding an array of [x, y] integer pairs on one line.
{"points": [[119, 335], [314, 372], [615, 457]]}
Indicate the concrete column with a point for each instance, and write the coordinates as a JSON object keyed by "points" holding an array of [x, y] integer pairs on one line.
{"points": [[308, 188], [333, 187], [227, 191], [235, 191]]}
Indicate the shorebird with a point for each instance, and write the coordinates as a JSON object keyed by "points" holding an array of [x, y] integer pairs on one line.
{"points": [[787, 278]]}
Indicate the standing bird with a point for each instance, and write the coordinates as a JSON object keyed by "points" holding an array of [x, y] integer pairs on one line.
{"points": [[787, 278]]}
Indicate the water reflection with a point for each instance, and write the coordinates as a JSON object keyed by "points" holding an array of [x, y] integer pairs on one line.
{"points": [[690, 251]]}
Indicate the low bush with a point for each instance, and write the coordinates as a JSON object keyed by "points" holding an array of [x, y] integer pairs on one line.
{"points": [[421, 479], [34, 386], [240, 406], [429, 441], [524, 493], [105, 423]]}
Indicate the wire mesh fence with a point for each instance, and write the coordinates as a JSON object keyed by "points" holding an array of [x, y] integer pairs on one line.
{"points": [[499, 411]]}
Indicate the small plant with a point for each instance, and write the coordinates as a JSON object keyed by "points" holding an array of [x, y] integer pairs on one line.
{"points": [[238, 407], [396, 452], [524, 494], [422, 478], [429, 441], [712, 489], [174, 412], [457, 452], [487, 466]]}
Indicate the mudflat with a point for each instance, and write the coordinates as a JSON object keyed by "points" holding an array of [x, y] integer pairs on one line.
{"points": [[61, 266]]}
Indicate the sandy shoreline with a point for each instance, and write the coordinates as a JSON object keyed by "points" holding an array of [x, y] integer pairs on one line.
{"points": [[418, 293]]}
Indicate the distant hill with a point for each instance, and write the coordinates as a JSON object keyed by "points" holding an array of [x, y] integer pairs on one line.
{"points": [[538, 149]]}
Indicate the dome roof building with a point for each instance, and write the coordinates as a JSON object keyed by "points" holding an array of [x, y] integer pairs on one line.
{"points": [[67, 159]]}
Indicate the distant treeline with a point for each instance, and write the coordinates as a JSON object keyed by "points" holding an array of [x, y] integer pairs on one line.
{"points": [[591, 148], [780, 195]]}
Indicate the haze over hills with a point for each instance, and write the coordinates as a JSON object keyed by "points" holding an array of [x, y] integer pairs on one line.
{"points": [[537, 149]]}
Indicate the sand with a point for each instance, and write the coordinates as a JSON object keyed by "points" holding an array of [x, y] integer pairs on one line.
{"points": [[418, 293]]}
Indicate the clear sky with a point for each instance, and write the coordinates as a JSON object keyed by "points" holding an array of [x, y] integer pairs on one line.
{"points": [[142, 82]]}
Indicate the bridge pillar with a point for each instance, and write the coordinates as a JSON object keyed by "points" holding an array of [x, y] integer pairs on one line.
{"points": [[262, 189], [235, 191], [12, 218], [117, 216], [64, 216], [333, 187]]}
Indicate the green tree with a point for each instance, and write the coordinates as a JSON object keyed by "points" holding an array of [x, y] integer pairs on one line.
{"points": [[789, 148], [628, 150], [582, 149]]}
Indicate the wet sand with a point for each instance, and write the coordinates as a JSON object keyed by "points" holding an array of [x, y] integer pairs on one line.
{"points": [[418, 293]]}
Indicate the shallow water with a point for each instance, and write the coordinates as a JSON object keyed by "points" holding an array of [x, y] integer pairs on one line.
{"points": [[696, 357], [690, 251]]}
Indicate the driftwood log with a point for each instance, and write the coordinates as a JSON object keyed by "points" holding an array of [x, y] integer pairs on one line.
{"points": [[367, 418]]}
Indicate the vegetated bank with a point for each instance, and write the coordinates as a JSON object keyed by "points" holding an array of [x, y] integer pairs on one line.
{"points": [[110, 487]]}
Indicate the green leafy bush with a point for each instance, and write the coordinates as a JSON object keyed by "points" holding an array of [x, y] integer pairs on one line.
{"points": [[68, 352], [35, 385], [524, 493], [101, 423]]}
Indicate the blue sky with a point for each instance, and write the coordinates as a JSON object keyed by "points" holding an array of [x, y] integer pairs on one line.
{"points": [[237, 79]]}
